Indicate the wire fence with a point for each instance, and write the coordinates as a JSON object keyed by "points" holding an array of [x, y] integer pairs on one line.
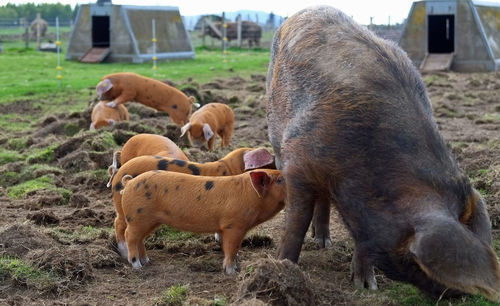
{"points": [[13, 30]]}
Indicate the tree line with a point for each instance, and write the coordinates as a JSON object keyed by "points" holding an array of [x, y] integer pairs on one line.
{"points": [[48, 11]]}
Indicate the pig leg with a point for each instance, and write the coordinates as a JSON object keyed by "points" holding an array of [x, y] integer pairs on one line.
{"points": [[321, 223], [226, 135], [133, 238], [211, 143], [123, 98], [299, 212], [362, 270], [120, 226], [231, 241], [143, 257]]}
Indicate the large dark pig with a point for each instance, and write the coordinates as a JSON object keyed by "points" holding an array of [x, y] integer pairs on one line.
{"points": [[351, 125]]}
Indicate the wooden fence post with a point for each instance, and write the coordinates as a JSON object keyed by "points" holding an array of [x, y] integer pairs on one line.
{"points": [[239, 30]]}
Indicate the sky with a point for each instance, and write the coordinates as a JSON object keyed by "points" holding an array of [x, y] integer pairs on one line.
{"points": [[360, 10]]}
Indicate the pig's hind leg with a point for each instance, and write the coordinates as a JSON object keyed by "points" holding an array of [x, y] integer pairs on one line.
{"points": [[362, 270], [299, 212], [321, 223]]}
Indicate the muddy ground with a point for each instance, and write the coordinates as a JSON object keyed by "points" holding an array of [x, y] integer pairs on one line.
{"points": [[69, 237]]}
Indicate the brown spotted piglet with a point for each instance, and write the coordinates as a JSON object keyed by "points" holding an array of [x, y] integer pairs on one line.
{"points": [[236, 162], [210, 119], [103, 115], [228, 205], [124, 87], [352, 126], [145, 144]]}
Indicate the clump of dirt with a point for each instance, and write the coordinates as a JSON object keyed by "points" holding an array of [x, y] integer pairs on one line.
{"points": [[277, 282], [43, 217], [19, 239], [79, 200], [72, 263], [37, 199]]}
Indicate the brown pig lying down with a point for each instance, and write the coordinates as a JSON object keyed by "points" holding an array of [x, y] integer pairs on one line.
{"points": [[229, 205], [123, 87], [236, 162], [351, 125], [145, 144], [103, 115]]}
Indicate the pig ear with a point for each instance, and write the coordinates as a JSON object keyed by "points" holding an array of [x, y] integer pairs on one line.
{"points": [[185, 128], [260, 182], [450, 253], [207, 131], [257, 158], [104, 86]]}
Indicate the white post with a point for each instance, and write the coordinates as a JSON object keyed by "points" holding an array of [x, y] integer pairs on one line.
{"points": [[58, 44], [154, 47]]}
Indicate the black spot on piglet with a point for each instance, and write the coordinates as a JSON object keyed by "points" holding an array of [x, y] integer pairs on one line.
{"points": [[209, 185], [194, 169], [162, 164]]}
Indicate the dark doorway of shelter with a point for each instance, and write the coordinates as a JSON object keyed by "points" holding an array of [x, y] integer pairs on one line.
{"points": [[441, 33], [100, 31]]}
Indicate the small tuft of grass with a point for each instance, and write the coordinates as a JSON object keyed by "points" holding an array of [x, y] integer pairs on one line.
{"points": [[84, 235], [170, 234], [24, 274], [44, 182], [43, 155], [8, 156], [17, 144], [220, 301], [173, 296]]}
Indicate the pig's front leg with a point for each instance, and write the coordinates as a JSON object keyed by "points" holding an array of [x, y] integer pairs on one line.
{"points": [[362, 271]]}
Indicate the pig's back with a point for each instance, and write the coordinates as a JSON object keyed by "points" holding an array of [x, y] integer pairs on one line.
{"points": [[343, 102]]}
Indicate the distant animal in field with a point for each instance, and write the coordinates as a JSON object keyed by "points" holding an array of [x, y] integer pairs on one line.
{"points": [[250, 31], [210, 119], [228, 205], [124, 87], [351, 125], [236, 162], [38, 24], [103, 115]]}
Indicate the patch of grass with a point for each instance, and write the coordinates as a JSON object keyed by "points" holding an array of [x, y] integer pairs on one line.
{"points": [[220, 301], [42, 155], [170, 234], [9, 177], [27, 275], [83, 235], [11, 123], [406, 294], [17, 144], [102, 141], [8, 156], [43, 182], [491, 117], [173, 296], [493, 143]]}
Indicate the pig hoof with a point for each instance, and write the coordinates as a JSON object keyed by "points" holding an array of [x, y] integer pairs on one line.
{"points": [[136, 264], [365, 281], [111, 104], [230, 269], [145, 261], [324, 242], [217, 237], [122, 248]]}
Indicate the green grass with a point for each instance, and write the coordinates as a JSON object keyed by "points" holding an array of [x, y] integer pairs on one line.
{"points": [[26, 274], [9, 156], [43, 182], [42, 155], [31, 75], [83, 235], [173, 296], [170, 234]]}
